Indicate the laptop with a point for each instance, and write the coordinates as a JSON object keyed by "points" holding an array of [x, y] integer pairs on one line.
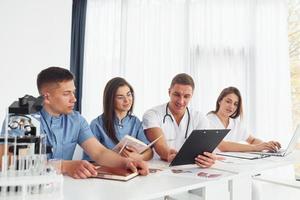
{"points": [[288, 150], [243, 155], [198, 142]]}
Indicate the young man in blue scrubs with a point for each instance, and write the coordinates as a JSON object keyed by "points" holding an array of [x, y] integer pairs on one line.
{"points": [[65, 128]]}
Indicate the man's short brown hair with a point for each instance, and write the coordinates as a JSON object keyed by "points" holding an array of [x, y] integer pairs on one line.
{"points": [[53, 75], [183, 79]]}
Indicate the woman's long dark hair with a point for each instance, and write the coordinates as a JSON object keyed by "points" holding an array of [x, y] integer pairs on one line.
{"points": [[224, 93], [109, 114]]}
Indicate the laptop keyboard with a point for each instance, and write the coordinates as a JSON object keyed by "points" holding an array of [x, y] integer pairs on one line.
{"points": [[280, 152]]}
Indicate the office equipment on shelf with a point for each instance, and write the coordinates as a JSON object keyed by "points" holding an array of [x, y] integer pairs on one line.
{"points": [[24, 169], [198, 142]]}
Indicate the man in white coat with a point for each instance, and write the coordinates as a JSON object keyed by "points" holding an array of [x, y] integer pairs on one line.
{"points": [[175, 121]]}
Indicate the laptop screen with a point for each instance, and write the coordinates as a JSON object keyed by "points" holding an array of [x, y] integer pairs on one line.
{"points": [[293, 141]]}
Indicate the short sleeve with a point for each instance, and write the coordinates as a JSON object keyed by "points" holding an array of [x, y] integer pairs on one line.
{"points": [[212, 122], [203, 122], [85, 131], [151, 120], [243, 132], [141, 134], [97, 129]]}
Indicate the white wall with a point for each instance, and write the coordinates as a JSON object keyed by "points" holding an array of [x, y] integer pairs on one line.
{"points": [[34, 34]]}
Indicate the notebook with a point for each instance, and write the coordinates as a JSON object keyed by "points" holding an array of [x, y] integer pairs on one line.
{"points": [[140, 146], [198, 142], [288, 150], [114, 173]]}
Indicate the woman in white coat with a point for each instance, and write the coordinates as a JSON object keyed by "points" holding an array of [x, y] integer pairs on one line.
{"points": [[228, 115]]}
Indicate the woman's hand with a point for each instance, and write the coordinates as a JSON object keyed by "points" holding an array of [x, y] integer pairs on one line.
{"points": [[272, 146], [131, 152]]}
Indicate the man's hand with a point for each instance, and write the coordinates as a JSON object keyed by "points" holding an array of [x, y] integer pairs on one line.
{"points": [[137, 165], [207, 160], [78, 168], [171, 155]]}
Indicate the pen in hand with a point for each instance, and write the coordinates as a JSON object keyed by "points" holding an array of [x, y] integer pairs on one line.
{"points": [[123, 147]]}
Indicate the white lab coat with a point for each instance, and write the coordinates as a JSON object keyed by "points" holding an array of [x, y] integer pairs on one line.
{"points": [[238, 131], [174, 133]]}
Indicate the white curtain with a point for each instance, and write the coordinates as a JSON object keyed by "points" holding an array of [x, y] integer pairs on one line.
{"points": [[132, 39], [244, 44], [240, 43]]}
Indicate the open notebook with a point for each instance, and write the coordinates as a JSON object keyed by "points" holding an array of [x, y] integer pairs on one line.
{"points": [[140, 146]]}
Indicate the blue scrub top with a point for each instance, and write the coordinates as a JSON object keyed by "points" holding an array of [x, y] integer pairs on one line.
{"points": [[64, 132], [129, 125]]}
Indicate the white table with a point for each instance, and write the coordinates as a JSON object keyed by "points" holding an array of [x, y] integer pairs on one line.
{"points": [[153, 186], [237, 184], [247, 169]]}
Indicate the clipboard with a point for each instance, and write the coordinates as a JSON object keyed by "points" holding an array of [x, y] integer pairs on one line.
{"points": [[198, 142]]}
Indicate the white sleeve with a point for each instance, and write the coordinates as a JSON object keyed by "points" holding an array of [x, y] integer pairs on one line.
{"points": [[244, 133], [240, 133], [151, 120], [203, 122], [211, 121]]}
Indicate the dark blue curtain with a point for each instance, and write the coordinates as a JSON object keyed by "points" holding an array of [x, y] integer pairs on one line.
{"points": [[77, 46]]}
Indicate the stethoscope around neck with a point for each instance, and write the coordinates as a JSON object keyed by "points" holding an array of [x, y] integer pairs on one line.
{"points": [[170, 116]]}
